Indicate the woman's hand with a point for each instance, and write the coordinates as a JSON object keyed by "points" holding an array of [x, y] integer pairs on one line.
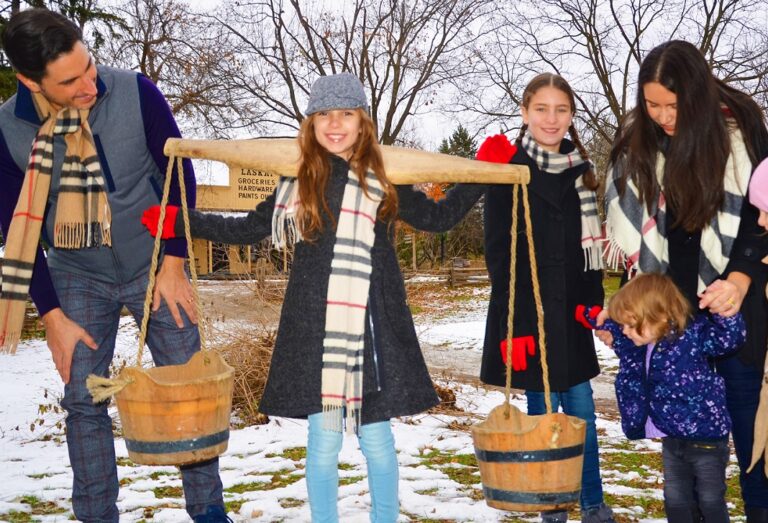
{"points": [[603, 335], [724, 297]]}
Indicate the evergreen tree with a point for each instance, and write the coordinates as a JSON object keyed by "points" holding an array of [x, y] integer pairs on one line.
{"points": [[459, 144]]}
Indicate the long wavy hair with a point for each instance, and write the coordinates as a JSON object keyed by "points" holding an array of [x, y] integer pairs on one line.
{"points": [[559, 83], [651, 301], [315, 168], [696, 155]]}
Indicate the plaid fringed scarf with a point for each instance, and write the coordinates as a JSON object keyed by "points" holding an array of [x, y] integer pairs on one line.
{"points": [[637, 239], [591, 232], [347, 298], [82, 210]]}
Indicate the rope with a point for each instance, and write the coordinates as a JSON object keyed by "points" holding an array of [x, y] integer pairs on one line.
{"points": [[536, 298], [102, 388], [511, 307]]}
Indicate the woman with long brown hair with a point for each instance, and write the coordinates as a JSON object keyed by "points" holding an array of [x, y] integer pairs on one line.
{"points": [[346, 351], [676, 203]]}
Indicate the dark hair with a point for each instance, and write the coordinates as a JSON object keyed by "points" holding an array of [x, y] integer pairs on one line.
{"points": [[35, 37], [695, 157], [559, 83], [653, 302]]}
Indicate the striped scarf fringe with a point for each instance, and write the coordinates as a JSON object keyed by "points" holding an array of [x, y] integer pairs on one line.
{"points": [[592, 236], [347, 296], [82, 211], [637, 239]]}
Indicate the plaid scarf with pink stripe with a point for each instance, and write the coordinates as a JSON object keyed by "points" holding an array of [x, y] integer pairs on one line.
{"points": [[347, 297]]}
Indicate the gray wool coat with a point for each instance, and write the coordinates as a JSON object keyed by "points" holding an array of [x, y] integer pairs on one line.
{"points": [[395, 377]]}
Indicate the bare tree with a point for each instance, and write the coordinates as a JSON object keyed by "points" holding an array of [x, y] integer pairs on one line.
{"points": [[598, 45], [405, 53], [183, 54]]}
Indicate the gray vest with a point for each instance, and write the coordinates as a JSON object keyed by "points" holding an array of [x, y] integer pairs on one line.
{"points": [[131, 175]]}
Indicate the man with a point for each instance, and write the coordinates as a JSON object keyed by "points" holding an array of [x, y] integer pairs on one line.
{"points": [[96, 137]]}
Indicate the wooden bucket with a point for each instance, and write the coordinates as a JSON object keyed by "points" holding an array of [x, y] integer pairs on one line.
{"points": [[530, 463], [177, 414]]}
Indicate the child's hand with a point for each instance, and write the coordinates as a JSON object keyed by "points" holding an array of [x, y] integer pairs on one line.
{"points": [[603, 335], [520, 346], [496, 149], [152, 215]]}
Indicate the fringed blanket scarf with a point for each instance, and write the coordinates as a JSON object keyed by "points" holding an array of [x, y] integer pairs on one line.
{"points": [[82, 211], [591, 232], [347, 298], [637, 239]]}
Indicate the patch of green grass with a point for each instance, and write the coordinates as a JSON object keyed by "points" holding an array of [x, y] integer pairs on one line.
{"points": [[39, 507], [415, 309], [611, 284], [233, 505], [294, 454], [15, 516], [125, 462], [350, 480], [290, 502], [733, 493], [652, 507], [157, 475], [39, 476], [466, 473], [428, 492], [168, 492], [634, 461], [346, 466], [280, 479]]}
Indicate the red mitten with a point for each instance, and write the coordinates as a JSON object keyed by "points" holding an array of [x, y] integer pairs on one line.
{"points": [[587, 316], [496, 149], [152, 215], [520, 346]]}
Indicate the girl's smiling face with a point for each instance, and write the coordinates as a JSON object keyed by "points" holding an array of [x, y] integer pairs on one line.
{"points": [[549, 115], [337, 131]]}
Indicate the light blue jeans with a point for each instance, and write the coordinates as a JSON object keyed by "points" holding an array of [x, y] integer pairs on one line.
{"points": [[378, 446], [577, 401]]}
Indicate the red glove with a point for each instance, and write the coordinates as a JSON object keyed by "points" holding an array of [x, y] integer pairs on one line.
{"points": [[496, 149], [520, 346], [152, 215], [587, 316]]}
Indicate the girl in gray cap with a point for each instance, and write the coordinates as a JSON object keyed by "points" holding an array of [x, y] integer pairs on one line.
{"points": [[346, 353]]}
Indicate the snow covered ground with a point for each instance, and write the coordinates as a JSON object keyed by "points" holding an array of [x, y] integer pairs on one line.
{"points": [[263, 471]]}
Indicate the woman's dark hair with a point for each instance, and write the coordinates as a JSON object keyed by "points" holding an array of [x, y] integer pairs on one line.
{"points": [[695, 157], [559, 83], [35, 37]]}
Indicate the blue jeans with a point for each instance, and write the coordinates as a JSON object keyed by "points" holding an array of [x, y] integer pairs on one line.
{"points": [[742, 396], [577, 401], [378, 446], [694, 480], [96, 306]]}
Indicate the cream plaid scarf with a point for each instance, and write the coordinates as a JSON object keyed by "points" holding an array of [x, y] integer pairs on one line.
{"points": [[347, 297], [637, 239], [82, 210], [591, 233]]}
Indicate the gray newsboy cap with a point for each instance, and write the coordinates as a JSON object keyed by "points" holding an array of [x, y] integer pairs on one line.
{"points": [[337, 91]]}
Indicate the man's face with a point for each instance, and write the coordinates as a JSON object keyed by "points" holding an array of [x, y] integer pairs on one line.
{"points": [[69, 81]]}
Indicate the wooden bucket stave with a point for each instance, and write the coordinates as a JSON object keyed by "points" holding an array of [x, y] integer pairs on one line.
{"points": [[530, 463], [177, 414]]}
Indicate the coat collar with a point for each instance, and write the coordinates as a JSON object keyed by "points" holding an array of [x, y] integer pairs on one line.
{"points": [[25, 107]]}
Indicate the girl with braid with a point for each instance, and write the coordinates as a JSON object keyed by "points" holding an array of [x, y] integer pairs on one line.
{"points": [[567, 242]]}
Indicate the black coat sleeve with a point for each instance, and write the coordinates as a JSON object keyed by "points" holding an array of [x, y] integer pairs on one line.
{"points": [[245, 230], [419, 211]]}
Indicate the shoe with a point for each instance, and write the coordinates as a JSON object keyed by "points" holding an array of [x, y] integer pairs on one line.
{"points": [[599, 514], [213, 514], [554, 516]]}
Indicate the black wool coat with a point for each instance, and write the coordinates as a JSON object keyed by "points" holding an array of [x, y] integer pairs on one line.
{"points": [[395, 377], [564, 284]]}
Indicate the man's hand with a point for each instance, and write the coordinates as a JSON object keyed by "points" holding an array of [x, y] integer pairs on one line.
{"points": [[62, 335], [172, 285]]}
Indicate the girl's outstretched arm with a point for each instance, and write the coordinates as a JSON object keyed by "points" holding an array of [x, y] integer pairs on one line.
{"points": [[423, 213]]}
